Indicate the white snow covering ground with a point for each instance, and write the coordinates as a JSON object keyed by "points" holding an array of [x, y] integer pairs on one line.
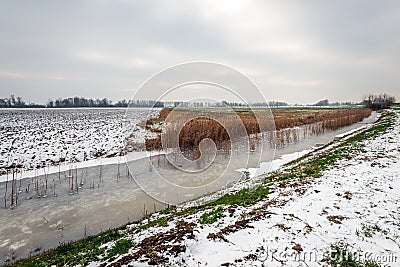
{"points": [[355, 205], [38, 138]]}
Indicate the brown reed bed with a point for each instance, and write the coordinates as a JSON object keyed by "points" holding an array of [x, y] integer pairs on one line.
{"points": [[287, 121]]}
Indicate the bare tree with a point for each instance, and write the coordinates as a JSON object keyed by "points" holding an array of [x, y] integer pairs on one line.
{"points": [[377, 102]]}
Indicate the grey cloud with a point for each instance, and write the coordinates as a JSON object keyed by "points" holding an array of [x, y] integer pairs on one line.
{"points": [[296, 52]]}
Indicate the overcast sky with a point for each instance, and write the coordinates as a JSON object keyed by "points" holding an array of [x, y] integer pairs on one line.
{"points": [[295, 51]]}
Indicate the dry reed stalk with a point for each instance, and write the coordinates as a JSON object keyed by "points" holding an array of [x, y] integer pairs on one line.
{"points": [[71, 191], [36, 183], [81, 180], [197, 129], [45, 178], [54, 188], [15, 189], [12, 189], [5, 194], [76, 180], [20, 182], [59, 169]]}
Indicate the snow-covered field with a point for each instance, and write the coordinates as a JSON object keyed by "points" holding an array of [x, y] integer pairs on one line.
{"points": [[36, 138], [354, 207]]}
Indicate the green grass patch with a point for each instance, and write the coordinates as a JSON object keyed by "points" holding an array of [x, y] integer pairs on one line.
{"points": [[211, 216], [72, 253], [122, 246], [342, 257], [244, 197], [370, 230]]}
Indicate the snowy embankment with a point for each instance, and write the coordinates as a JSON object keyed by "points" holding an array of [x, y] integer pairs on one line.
{"points": [[353, 206]]}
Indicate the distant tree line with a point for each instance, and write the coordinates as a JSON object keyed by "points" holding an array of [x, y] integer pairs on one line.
{"points": [[17, 102], [326, 103], [271, 104], [145, 103], [380, 101], [75, 102], [374, 102], [79, 102]]}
